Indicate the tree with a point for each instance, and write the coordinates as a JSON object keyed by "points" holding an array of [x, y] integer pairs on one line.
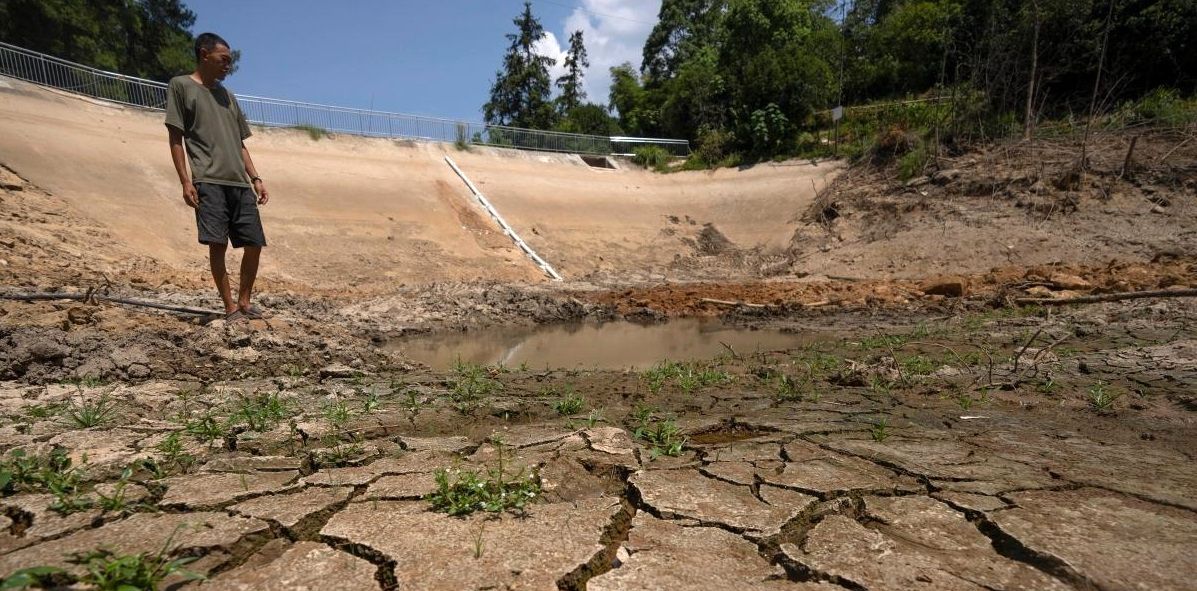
{"points": [[631, 102], [570, 83], [684, 27], [146, 38], [520, 95]]}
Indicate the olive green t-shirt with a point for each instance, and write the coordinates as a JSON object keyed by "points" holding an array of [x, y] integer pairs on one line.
{"points": [[213, 127]]}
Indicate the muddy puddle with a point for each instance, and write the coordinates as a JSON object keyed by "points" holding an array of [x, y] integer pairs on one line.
{"points": [[612, 345]]}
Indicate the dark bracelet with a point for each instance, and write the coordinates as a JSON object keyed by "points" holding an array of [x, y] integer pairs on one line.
{"points": [[254, 179]]}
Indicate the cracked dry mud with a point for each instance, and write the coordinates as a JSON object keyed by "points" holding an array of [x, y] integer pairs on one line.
{"points": [[856, 484]]}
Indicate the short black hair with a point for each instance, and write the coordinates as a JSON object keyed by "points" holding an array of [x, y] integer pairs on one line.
{"points": [[208, 42]]}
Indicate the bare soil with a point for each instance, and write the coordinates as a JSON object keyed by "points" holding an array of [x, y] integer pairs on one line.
{"points": [[932, 435]]}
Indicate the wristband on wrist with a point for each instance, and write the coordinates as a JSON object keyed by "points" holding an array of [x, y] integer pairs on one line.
{"points": [[254, 179]]}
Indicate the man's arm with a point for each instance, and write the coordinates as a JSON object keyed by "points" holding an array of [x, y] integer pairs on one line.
{"points": [[259, 185], [178, 155]]}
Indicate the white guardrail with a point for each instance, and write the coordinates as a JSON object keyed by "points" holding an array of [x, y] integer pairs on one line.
{"points": [[46, 70]]}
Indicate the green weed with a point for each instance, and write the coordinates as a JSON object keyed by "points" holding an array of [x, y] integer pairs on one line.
{"points": [[174, 458], [108, 571], [42, 577], [315, 132], [919, 365], [261, 412], [337, 413], [43, 411], [207, 428], [52, 473], [371, 403], [461, 492], [471, 385], [663, 437], [880, 430], [788, 389], [1101, 397], [85, 414], [568, 406]]}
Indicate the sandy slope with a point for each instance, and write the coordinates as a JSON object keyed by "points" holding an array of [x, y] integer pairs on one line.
{"points": [[370, 213]]}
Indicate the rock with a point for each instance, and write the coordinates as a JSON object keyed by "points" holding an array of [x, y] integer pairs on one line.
{"points": [[422, 462], [306, 566], [46, 522], [1069, 282], [123, 358], [663, 555], [1112, 541], [290, 509], [951, 286], [817, 470], [141, 532], [916, 543], [686, 493], [404, 486], [943, 177], [1039, 291], [138, 371], [435, 551], [212, 490], [338, 370]]}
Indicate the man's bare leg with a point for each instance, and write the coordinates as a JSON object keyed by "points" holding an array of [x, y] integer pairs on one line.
{"points": [[221, 275], [249, 272]]}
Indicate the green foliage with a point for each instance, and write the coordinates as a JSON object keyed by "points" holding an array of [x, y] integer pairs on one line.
{"points": [[663, 437], [913, 163], [880, 430], [1102, 397], [261, 412], [519, 96], [109, 571], [315, 132], [688, 377], [337, 413], [42, 577], [174, 459], [207, 427], [89, 413], [461, 492], [471, 385], [147, 38], [52, 473], [654, 157], [570, 83], [570, 405]]}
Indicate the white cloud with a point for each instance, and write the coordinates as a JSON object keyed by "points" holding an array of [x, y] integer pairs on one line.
{"points": [[614, 32]]}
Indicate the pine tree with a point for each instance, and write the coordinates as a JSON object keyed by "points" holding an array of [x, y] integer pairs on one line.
{"points": [[570, 83], [520, 95]]}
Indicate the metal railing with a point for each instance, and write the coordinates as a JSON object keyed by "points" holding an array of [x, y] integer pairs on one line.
{"points": [[38, 68]]}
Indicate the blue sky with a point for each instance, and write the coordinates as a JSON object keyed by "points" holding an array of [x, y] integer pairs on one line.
{"points": [[423, 57]]}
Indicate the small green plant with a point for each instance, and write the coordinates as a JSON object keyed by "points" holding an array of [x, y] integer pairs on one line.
{"points": [[109, 571], [42, 577], [919, 365], [43, 411], [881, 385], [654, 157], [1047, 386], [52, 473], [688, 377], [788, 388], [340, 455], [315, 132], [337, 413], [261, 412], [663, 437], [570, 405], [412, 401], [471, 385], [206, 427], [880, 341], [85, 414], [880, 430], [371, 403], [594, 418], [462, 141], [1101, 397], [174, 458], [115, 503], [461, 492], [965, 401]]}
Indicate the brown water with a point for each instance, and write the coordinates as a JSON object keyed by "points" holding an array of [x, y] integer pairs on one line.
{"points": [[613, 345]]}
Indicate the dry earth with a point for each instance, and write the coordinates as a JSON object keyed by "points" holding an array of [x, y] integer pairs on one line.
{"points": [[931, 435]]}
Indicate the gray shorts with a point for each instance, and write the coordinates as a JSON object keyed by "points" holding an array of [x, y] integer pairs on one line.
{"points": [[227, 214]]}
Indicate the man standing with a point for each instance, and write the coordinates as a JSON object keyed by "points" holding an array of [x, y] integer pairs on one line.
{"points": [[223, 186]]}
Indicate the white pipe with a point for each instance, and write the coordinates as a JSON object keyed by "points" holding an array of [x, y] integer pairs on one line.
{"points": [[507, 229]]}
